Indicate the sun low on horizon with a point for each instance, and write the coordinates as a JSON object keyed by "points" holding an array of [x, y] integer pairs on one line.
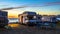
{"points": [[13, 13]]}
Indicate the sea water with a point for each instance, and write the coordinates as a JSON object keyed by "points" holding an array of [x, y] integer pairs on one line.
{"points": [[16, 20], [13, 20]]}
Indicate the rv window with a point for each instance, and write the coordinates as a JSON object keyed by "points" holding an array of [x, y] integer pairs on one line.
{"points": [[38, 17], [35, 17]]}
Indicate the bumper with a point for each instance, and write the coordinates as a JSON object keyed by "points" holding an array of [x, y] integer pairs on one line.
{"points": [[47, 25]]}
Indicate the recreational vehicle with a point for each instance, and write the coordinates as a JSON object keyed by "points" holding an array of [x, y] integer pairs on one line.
{"points": [[28, 18]]}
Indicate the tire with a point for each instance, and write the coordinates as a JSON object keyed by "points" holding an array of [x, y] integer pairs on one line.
{"points": [[2, 26]]}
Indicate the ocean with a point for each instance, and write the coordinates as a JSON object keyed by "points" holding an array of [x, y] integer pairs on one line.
{"points": [[13, 20]]}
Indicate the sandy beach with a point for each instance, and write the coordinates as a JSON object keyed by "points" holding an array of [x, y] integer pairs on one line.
{"points": [[22, 29]]}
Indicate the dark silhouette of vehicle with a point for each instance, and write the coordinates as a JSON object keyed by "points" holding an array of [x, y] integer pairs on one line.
{"points": [[48, 22], [3, 18]]}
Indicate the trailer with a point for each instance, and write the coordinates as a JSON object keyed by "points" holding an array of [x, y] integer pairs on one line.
{"points": [[3, 18]]}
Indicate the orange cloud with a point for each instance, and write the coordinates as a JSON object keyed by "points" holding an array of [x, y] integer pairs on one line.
{"points": [[12, 15]]}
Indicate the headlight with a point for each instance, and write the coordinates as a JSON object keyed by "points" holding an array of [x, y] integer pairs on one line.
{"points": [[27, 21], [34, 16]]}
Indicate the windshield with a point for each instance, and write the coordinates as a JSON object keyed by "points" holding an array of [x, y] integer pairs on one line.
{"points": [[31, 17]]}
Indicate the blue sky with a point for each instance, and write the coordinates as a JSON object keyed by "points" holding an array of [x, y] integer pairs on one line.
{"points": [[10, 3], [54, 5]]}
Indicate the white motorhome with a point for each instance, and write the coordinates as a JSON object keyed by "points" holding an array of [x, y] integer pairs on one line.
{"points": [[28, 18]]}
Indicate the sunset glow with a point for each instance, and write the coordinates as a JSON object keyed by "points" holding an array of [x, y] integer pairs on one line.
{"points": [[42, 7]]}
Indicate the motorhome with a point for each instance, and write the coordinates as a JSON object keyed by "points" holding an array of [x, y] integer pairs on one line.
{"points": [[48, 21], [28, 18]]}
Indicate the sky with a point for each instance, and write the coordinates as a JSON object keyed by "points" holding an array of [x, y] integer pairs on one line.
{"points": [[43, 7]]}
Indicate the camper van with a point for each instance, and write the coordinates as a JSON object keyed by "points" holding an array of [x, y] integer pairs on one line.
{"points": [[29, 18], [3, 18], [48, 21]]}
